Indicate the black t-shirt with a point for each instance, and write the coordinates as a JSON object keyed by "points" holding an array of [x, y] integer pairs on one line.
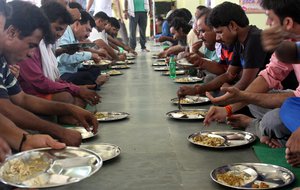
{"points": [[250, 54]]}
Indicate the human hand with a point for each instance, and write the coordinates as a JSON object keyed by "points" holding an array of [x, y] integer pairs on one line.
{"points": [[186, 90], [4, 150], [15, 70], [272, 37], [122, 57], [89, 95], [96, 57], [194, 59], [232, 95], [162, 54], [41, 141], [85, 118], [215, 113], [69, 137], [196, 46], [126, 15]]}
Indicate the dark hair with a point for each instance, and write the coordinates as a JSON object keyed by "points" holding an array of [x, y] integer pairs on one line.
{"points": [[4, 9], [75, 5], [205, 13], [27, 17], [283, 8], [101, 15], [178, 23], [181, 13], [56, 12], [201, 7], [114, 22], [85, 18], [160, 18], [226, 12]]}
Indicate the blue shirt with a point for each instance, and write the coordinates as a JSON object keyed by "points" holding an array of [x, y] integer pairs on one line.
{"points": [[289, 113], [70, 63], [9, 85], [165, 30]]}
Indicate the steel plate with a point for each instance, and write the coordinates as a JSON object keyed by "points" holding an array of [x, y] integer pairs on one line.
{"points": [[120, 67], [105, 150], [45, 167], [232, 138], [187, 114], [178, 72], [271, 175], [186, 80], [111, 116], [84, 133], [191, 100]]}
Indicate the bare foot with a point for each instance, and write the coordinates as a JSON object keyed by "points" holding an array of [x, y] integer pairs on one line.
{"points": [[273, 143], [101, 79], [292, 158], [239, 121]]}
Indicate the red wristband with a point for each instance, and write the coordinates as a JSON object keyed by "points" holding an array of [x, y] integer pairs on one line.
{"points": [[228, 110]]}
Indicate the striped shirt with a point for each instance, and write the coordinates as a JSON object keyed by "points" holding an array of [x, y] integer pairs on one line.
{"points": [[9, 85]]}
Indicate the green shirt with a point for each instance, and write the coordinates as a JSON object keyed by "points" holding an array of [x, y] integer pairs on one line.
{"points": [[139, 6], [211, 55]]}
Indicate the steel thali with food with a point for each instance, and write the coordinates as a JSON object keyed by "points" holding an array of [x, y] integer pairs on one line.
{"points": [[166, 68], [114, 72], [191, 100], [120, 67], [159, 64], [45, 167], [188, 114], [106, 151], [266, 176], [183, 62], [178, 72], [223, 139], [111, 116], [186, 80], [93, 63], [84, 133], [124, 62]]}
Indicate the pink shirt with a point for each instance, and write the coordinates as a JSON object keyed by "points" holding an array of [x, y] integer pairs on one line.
{"points": [[276, 71], [33, 81]]}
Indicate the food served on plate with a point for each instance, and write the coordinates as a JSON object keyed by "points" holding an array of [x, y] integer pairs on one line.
{"points": [[188, 79], [114, 72], [111, 116], [189, 113], [92, 62], [191, 100], [101, 115], [208, 140], [233, 178], [260, 185], [19, 170], [120, 67], [178, 72]]}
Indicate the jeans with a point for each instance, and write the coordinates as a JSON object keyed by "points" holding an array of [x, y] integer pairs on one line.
{"points": [[141, 20]]}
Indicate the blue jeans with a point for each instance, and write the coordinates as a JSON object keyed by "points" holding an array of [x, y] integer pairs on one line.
{"points": [[141, 20]]}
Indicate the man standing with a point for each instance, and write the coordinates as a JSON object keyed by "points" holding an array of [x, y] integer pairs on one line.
{"points": [[136, 11]]}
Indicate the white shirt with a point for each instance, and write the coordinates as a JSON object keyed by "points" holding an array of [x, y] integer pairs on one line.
{"points": [[95, 35], [104, 6]]}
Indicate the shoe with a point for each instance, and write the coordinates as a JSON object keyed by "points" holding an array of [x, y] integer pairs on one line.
{"points": [[145, 50]]}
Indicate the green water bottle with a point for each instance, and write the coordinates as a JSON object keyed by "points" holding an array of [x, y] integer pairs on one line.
{"points": [[172, 67], [121, 50]]}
